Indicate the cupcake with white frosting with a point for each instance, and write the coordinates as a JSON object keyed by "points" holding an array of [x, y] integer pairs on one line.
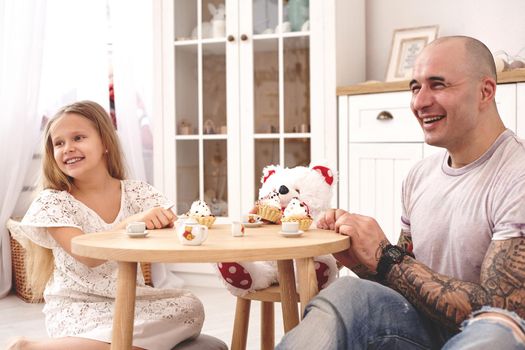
{"points": [[201, 213], [269, 207], [298, 211]]}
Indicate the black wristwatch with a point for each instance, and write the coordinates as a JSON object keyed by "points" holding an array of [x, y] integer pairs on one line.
{"points": [[392, 254]]}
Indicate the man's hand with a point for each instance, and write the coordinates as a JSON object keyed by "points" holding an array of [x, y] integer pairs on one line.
{"points": [[367, 239], [328, 219]]}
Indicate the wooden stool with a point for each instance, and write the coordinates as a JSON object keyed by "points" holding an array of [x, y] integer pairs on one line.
{"points": [[267, 297]]}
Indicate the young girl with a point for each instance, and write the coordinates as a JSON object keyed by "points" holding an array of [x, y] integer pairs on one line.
{"points": [[84, 192]]}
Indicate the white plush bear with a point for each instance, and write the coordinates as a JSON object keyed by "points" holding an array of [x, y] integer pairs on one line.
{"points": [[311, 186]]}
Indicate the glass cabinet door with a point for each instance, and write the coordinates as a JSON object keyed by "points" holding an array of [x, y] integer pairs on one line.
{"points": [[281, 84], [201, 166], [241, 95]]}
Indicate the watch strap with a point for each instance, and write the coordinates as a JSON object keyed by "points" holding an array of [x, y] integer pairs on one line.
{"points": [[390, 256]]}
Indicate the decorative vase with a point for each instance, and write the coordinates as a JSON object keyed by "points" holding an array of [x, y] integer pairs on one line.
{"points": [[298, 13]]}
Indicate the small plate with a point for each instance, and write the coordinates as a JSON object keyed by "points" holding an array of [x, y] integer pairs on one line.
{"points": [[291, 234], [252, 224], [137, 234]]}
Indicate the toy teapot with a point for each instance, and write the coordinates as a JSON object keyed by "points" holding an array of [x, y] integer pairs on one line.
{"points": [[190, 232]]}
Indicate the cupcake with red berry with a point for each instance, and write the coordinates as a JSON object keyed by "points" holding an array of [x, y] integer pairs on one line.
{"points": [[269, 207], [201, 213], [298, 211]]}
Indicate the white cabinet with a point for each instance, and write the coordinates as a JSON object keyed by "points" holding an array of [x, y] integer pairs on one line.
{"points": [[380, 140], [376, 173], [235, 93], [243, 90], [379, 143]]}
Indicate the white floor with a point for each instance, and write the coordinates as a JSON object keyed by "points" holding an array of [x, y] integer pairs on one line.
{"points": [[18, 318]]}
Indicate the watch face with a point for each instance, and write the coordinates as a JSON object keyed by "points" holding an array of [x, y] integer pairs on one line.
{"points": [[395, 253]]}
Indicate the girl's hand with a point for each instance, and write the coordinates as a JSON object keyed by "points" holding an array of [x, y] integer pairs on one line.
{"points": [[154, 218]]}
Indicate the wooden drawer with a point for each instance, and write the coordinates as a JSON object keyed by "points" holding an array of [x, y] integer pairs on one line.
{"points": [[384, 117]]}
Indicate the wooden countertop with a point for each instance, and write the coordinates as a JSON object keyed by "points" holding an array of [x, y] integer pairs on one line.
{"points": [[512, 76]]}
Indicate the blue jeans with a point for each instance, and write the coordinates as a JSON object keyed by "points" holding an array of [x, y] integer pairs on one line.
{"points": [[358, 314]]}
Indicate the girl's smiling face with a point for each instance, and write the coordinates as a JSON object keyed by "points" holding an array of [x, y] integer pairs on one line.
{"points": [[77, 146]]}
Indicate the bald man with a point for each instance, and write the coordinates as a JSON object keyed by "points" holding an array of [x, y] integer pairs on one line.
{"points": [[456, 278]]}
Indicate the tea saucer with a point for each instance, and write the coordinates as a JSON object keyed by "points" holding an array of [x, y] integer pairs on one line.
{"points": [[291, 234], [252, 224], [137, 234]]}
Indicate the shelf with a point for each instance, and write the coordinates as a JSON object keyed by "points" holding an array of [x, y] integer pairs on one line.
{"points": [[197, 137], [294, 135], [512, 76], [278, 35]]}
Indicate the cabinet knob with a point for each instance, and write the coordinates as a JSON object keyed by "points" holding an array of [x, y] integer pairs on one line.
{"points": [[231, 38], [385, 115], [244, 37]]}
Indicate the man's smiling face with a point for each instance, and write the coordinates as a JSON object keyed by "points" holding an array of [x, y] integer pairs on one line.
{"points": [[444, 96]]}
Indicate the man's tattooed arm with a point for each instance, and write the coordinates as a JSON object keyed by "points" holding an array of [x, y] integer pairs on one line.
{"points": [[405, 242], [450, 301]]}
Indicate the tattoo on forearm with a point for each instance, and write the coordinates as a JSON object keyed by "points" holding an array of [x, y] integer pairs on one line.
{"points": [[362, 271], [503, 275], [405, 242], [450, 301]]}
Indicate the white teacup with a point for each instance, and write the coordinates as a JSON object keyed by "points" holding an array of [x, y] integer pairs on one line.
{"points": [[290, 226], [237, 229], [190, 232], [136, 227], [251, 219]]}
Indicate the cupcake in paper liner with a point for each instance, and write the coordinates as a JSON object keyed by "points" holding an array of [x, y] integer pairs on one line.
{"points": [[298, 211], [269, 207], [201, 213], [205, 220]]}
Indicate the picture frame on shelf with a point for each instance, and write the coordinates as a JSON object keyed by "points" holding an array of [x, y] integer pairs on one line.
{"points": [[406, 45]]}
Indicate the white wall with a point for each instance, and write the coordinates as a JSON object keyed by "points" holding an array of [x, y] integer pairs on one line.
{"points": [[499, 24]]}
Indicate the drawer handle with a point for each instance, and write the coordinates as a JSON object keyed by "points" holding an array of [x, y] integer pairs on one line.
{"points": [[385, 115]]}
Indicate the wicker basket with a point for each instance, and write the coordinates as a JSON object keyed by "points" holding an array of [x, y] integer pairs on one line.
{"points": [[19, 271]]}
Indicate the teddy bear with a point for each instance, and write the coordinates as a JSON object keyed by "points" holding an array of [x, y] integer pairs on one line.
{"points": [[305, 188]]}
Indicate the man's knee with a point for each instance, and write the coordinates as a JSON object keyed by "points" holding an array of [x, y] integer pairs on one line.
{"points": [[351, 295], [501, 318]]}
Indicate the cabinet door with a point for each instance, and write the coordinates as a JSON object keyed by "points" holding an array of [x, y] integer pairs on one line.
{"points": [[196, 149], [274, 89], [376, 172], [236, 96]]}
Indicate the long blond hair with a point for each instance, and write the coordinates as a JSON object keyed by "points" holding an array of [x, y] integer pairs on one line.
{"points": [[39, 260]]}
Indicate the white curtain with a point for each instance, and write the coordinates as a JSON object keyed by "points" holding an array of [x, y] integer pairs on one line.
{"points": [[75, 62], [131, 33], [55, 52], [52, 52], [21, 37], [132, 38]]}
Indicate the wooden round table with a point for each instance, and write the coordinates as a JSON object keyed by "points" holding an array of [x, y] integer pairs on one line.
{"points": [[262, 243]]}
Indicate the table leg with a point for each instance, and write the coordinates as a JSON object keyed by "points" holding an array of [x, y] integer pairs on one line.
{"points": [[124, 306], [240, 324], [307, 281], [288, 294]]}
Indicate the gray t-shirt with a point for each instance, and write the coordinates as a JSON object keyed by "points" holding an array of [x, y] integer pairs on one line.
{"points": [[452, 214]]}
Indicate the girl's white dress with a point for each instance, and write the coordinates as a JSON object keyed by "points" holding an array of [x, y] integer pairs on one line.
{"points": [[80, 299]]}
